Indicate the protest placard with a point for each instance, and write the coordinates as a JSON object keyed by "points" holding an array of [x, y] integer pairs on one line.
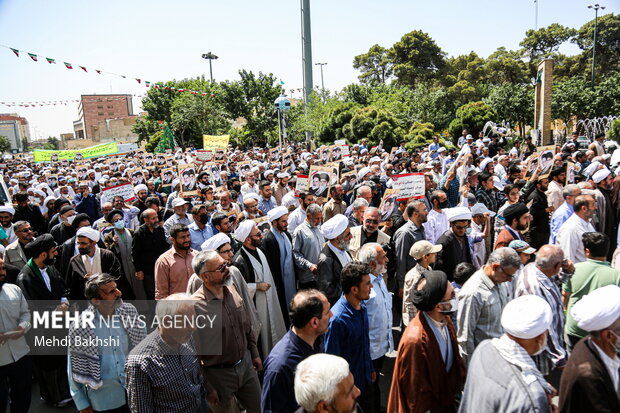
{"points": [[388, 204], [320, 180], [214, 142], [409, 185], [124, 190], [301, 185], [41, 155]]}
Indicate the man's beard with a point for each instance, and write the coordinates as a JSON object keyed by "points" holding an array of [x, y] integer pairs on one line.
{"points": [[183, 247], [84, 251], [380, 269], [256, 242], [344, 245], [49, 261]]}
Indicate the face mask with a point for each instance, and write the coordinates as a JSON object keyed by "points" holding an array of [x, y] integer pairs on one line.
{"points": [[120, 224], [542, 348], [444, 204], [71, 219], [454, 305], [468, 231]]}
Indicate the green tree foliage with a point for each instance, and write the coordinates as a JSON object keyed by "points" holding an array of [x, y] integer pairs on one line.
{"points": [[572, 96], [375, 66], [607, 43], [5, 144], [505, 66], [513, 103], [471, 116], [154, 141], [544, 42], [614, 131], [420, 134], [52, 143], [375, 125], [417, 58]]}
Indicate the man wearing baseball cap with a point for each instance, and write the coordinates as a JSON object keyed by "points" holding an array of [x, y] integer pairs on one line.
{"points": [[425, 254]]}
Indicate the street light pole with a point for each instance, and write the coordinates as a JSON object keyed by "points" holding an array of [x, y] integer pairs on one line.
{"points": [[536, 15], [210, 56], [322, 84], [595, 7]]}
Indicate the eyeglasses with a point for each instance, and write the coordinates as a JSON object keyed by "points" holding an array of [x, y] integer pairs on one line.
{"points": [[462, 227], [221, 268], [229, 250], [371, 221], [25, 230]]}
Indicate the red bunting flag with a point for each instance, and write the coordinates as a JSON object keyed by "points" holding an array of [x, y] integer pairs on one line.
{"points": [[33, 57], [15, 51], [139, 80], [98, 71], [50, 60], [84, 69], [68, 65]]}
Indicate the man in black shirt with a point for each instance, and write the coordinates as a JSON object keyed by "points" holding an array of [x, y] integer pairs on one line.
{"points": [[27, 212], [149, 242]]}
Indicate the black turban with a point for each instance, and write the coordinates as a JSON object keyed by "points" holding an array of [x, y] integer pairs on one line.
{"points": [[515, 211], [39, 245], [79, 218], [433, 292], [112, 213]]}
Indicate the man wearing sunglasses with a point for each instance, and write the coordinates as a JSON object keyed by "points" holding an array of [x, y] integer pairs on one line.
{"points": [[14, 253]]}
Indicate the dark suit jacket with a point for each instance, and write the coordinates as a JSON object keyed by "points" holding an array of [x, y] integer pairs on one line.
{"points": [[66, 251], [109, 264], [272, 251], [146, 247], [448, 258], [32, 214], [35, 290], [328, 274], [586, 385]]}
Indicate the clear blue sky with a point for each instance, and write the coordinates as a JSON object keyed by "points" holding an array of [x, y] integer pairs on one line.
{"points": [[161, 40]]}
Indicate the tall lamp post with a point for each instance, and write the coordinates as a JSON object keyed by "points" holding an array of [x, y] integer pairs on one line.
{"points": [[596, 7], [210, 56], [321, 65]]}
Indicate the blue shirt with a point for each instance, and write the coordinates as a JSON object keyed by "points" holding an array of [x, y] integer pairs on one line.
{"points": [[199, 235], [280, 364], [434, 147], [111, 394], [266, 205], [379, 308], [348, 337], [558, 218]]}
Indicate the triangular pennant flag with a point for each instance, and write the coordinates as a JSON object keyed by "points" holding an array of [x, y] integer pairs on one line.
{"points": [[50, 60], [139, 80], [148, 84], [33, 56], [68, 65], [98, 71], [15, 51], [180, 90], [84, 69], [204, 94]]}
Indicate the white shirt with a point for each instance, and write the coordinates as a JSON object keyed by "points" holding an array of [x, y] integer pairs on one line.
{"points": [[436, 225], [295, 219], [246, 188], [46, 278], [612, 365], [569, 238]]}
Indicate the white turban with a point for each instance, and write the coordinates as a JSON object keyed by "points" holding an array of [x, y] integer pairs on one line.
{"points": [[89, 233], [335, 226], [282, 175], [484, 163], [7, 208], [592, 168], [458, 214], [250, 195], [600, 175], [526, 317], [244, 229], [268, 172], [276, 213], [215, 242], [599, 309], [139, 188], [175, 182], [290, 200], [363, 172]]}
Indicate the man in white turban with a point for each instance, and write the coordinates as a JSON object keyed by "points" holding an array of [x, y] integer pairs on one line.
{"points": [[591, 379], [502, 376], [334, 256], [253, 265], [141, 192]]}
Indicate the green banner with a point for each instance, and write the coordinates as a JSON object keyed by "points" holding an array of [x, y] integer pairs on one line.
{"points": [[104, 149]]}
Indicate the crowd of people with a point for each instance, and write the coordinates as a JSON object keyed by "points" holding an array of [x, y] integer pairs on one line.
{"points": [[496, 287]]}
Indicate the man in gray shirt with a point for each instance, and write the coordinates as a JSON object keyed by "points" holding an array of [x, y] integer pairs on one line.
{"points": [[307, 245]]}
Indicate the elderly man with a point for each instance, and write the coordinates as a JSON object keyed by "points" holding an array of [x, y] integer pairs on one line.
{"points": [[179, 205], [455, 244], [502, 376], [324, 383], [379, 308], [482, 299], [174, 267], [148, 243], [367, 232], [591, 379], [310, 314], [15, 364], [429, 371], [425, 255], [570, 234], [405, 237], [308, 242], [92, 260], [14, 252], [250, 185], [278, 248], [96, 373], [250, 206], [199, 230], [358, 208], [334, 256], [298, 216], [166, 356], [565, 210], [226, 205], [537, 278], [63, 230], [336, 204], [253, 265], [231, 359]]}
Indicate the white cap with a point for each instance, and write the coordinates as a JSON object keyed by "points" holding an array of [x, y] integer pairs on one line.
{"points": [[599, 309], [290, 200], [480, 208], [282, 175], [139, 188], [88, 232], [458, 214], [363, 172], [375, 159], [335, 226], [526, 317], [244, 229], [250, 195], [268, 172], [497, 183], [178, 202], [7, 208], [601, 175], [276, 213], [215, 242], [485, 162]]}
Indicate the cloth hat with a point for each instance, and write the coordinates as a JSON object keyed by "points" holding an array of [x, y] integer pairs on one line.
{"points": [[251, 195], [497, 183], [139, 188], [600, 175], [283, 175], [472, 172], [486, 140], [515, 211], [442, 149], [290, 200], [521, 246], [215, 242], [178, 202], [422, 248], [174, 183], [599, 309], [484, 163], [39, 245], [363, 172], [276, 213], [7, 208], [480, 208], [458, 214], [244, 229], [88, 232], [433, 292], [526, 317], [469, 137], [375, 159], [335, 226]]}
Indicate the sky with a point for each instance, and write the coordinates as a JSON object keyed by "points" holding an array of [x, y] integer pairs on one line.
{"points": [[162, 40]]}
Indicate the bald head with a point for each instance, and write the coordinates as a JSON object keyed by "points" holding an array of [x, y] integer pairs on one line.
{"points": [[549, 258]]}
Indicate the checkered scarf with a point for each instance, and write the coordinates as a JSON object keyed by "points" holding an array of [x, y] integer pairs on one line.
{"points": [[85, 360]]}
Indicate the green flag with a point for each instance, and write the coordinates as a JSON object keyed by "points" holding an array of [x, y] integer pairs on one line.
{"points": [[166, 142]]}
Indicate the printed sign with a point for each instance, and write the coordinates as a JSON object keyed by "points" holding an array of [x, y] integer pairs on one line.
{"points": [[320, 180], [409, 185], [41, 155], [301, 185], [388, 204], [203, 156], [124, 190], [213, 142]]}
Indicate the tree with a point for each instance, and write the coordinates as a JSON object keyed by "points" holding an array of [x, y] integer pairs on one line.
{"points": [[513, 103], [419, 135], [506, 66], [572, 96], [375, 125], [607, 43], [614, 131], [543, 43], [51, 144], [375, 65], [471, 116], [5, 144], [417, 58]]}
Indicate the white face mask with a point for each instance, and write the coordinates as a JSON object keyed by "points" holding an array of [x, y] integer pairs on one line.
{"points": [[454, 305], [71, 219], [542, 348]]}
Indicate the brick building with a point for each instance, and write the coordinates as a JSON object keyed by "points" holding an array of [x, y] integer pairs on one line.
{"points": [[16, 129], [94, 109]]}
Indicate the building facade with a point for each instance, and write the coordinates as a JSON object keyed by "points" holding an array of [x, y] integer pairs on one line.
{"points": [[94, 109], [16, 130]]}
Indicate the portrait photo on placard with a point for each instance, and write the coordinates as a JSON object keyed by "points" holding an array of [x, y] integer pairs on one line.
{"points": [[136, 176], [320, 179], [545, 158], [220, 155], [52, 180], [388, 204], [167, 176], [336, 152], [187, 173]]}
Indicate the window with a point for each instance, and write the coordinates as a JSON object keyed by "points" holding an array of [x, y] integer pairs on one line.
{"points": [[100, 114], [110, 107], [99, 107], [110, 113]]}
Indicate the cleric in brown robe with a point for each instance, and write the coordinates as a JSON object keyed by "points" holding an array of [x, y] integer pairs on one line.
{"points": [[429, 371]]}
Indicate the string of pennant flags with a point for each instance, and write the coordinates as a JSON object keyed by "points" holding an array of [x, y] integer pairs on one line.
{"points": [[62, 102]]}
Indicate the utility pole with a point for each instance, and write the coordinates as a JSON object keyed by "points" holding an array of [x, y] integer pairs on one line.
{"points": [[322, 84], [210, 56], [306, 51], [595, 7], [536, 15]]}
